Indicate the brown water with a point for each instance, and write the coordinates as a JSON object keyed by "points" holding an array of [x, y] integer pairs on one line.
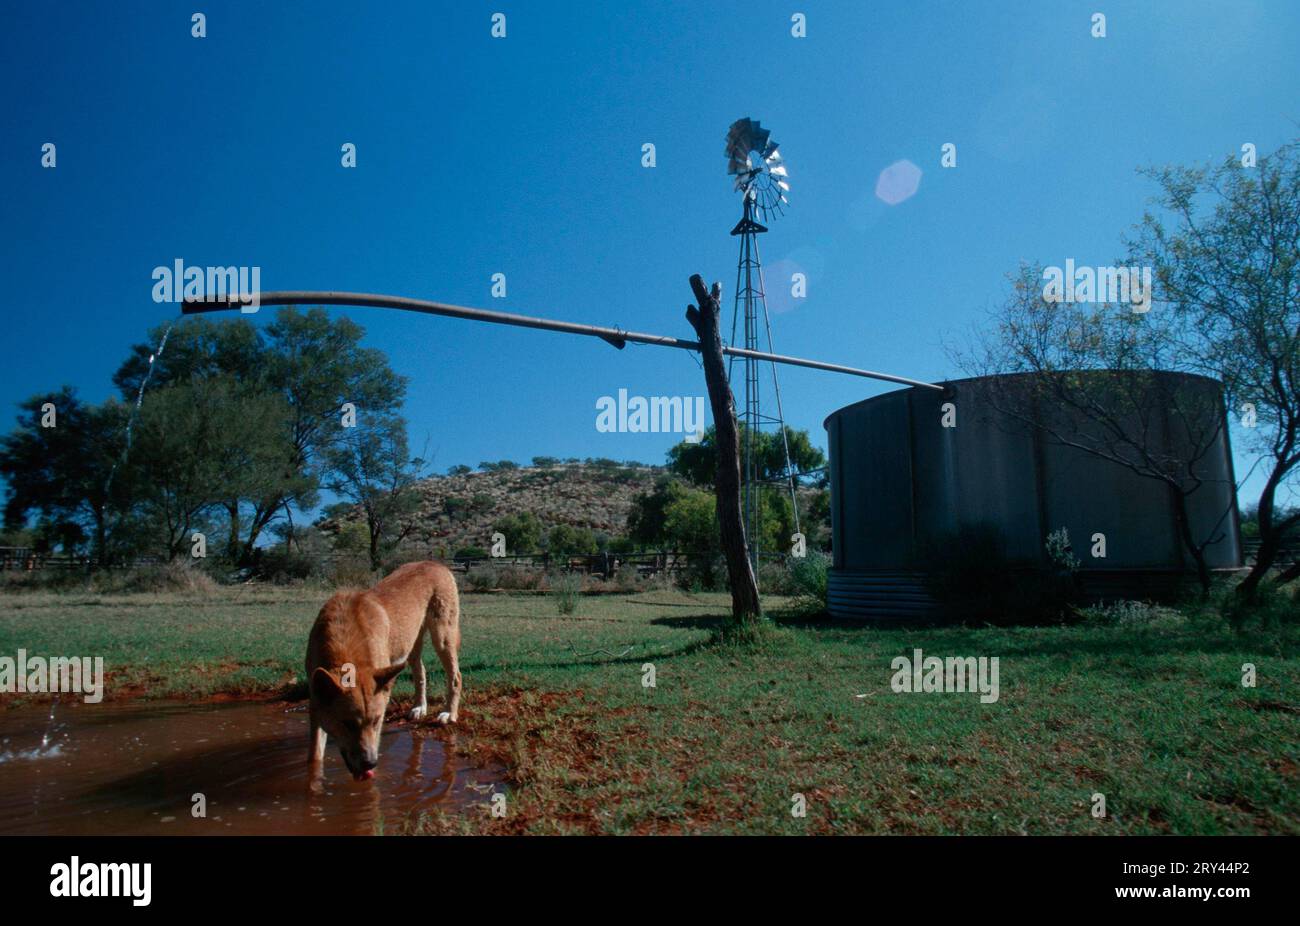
{"points": [[135, 768]]}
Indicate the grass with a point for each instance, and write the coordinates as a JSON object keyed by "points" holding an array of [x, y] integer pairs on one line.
{"points": [[1150, 713]]}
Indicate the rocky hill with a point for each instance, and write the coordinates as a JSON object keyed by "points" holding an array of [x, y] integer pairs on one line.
{"points": [[458, 511]]}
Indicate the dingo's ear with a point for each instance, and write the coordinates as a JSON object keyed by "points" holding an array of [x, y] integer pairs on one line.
{"points": [[324, 686], [384, 677]]}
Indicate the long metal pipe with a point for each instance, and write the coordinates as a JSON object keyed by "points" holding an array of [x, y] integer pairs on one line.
{"points": [[615, 336]]}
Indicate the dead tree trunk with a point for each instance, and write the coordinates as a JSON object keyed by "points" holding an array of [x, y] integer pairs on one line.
{"points": [[740, 574]]}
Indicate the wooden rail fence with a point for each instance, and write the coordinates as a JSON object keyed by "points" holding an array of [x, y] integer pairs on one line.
{"points": [[598, 564]]}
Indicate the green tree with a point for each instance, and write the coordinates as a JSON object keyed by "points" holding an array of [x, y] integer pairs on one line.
{"points": [[197, 348], [1225, 247], [314, 363], [656, 518], [61, 473], [697, 462], [185, 437], [816, 520], [522, 530], [647, 516], [371, 466], [454, 506], [565, 538], [691, 522], [319, 365], [352, 536]]}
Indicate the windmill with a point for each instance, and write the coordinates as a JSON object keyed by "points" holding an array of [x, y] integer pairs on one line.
{"points": [[763, 182], [754, 160]]}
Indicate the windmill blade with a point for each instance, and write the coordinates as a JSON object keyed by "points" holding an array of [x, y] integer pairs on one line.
{"points": [[757, 166], [744, 136], [738, 139]]}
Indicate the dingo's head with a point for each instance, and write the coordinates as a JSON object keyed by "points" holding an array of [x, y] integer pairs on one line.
{"points": [[354, 713]]}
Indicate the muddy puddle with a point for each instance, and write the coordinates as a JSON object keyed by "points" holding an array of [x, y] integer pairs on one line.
{"points": [[135, 769]]}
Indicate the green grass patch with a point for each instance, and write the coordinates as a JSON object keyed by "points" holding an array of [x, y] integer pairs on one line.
{"points": [[1151, 713]]}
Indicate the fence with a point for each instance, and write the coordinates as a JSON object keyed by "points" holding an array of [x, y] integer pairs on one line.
{"points": [[28, 560], [1286, 556], [594, 564], [603, 565]]}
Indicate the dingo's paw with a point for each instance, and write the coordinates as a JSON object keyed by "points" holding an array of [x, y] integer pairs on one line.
{"points": [[418, 712], [444, 718]]}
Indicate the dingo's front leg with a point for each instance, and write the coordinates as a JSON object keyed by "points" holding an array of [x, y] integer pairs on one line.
{"points": [[316, 748], [421, 707], [451, 666]]}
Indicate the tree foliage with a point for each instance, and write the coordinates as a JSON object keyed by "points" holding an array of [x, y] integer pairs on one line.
{"points": [[1098, 381], [61, 473], [522, 530], [371, 466], [239, 425], [697, 462], [1224, 242]]}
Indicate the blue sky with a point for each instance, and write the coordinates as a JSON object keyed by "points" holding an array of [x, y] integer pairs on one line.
{"points": [[522, 155]]}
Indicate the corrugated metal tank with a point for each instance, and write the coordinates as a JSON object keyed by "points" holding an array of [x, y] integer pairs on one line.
{"points": [[899, 481]]}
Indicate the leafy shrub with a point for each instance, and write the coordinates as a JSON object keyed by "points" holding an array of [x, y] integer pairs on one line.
{"points": [[403, 556], [178, 576], [182, 577], [44, 580], [1121, 613], [522, 530], [352, 537], [481, 579], [1272, 607], [704, 573], [810, 574], [485, 578], [774, 578], [352, 572], [565, 538], [566, 590], [626, 579], [519, 577], [1060, 554], [282, 566]]}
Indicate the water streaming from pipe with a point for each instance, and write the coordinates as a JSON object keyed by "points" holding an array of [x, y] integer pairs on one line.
{"points": [[139, 400], [130, 422]]}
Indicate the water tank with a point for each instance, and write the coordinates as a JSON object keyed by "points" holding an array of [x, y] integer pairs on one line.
{"points": [[901, 482]]}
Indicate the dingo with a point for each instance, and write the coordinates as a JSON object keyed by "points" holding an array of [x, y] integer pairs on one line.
{"points": [[359, 644]]}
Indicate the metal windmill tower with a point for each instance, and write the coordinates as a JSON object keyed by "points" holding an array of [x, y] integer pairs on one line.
{"points": [[761, 177]]}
